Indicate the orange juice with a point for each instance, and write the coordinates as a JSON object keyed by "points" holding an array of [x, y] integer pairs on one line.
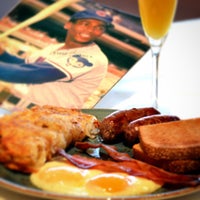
{"points": [[156, 16]]}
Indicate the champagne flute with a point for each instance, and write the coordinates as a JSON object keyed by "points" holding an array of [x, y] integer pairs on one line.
{"points": [[156, 17]]}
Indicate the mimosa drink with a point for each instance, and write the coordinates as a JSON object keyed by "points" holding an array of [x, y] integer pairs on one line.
{"points": [[157, 16]]}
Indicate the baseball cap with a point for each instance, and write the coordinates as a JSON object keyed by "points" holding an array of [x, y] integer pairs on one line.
{"points": [[94, 14]]}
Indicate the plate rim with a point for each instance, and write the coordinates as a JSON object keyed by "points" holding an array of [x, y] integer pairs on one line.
{"points": [[36, 192]]}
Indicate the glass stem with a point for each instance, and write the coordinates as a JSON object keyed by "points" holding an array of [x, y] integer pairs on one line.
{"points": [[156, 46], [155, 73]]}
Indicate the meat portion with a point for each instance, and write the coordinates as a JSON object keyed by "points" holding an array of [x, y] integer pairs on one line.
{"points": [[31, 137], [113, 126], [122, 162]]}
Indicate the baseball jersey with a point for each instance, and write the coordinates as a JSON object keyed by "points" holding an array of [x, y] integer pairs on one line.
{"points": [[78, 73]]}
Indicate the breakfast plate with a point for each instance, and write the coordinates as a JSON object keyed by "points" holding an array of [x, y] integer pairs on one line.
{"points": [[20, 183]]}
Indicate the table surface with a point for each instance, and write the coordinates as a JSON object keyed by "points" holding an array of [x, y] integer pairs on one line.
{"points": [[179, 82], [179, 76]]}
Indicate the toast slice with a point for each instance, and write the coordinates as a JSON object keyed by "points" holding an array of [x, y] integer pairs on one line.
{"points": [[177, 140], [175, 166]]}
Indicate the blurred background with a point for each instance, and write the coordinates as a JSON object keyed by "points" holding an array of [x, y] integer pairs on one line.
{"points": [[187, 9], [124, 45]]}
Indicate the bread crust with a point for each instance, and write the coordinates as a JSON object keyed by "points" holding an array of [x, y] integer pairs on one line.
{"points": [[177, 140], [175, 166], [132, 130]]}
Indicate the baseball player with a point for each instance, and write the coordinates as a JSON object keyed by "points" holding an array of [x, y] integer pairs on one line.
{"points": [[63, 74]]}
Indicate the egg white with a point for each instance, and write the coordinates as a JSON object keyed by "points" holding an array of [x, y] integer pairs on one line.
{"points": [[65, 178]]}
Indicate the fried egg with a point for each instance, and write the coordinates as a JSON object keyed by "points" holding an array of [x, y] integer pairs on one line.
{"points": [[65, 178]]}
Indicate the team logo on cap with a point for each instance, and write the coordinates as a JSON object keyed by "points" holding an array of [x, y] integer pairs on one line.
{"points": [[101, 13]]}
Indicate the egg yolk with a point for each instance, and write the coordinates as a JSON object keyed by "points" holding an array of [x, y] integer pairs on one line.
{"points": [[115, 184], [109, 183], [65, 178], [63, 174], [62, 178]]}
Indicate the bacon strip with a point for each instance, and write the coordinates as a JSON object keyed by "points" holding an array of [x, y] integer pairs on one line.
{"points": [[124, 163]]}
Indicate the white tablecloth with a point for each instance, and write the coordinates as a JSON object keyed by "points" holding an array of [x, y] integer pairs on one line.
{"points": [[179, 77]]}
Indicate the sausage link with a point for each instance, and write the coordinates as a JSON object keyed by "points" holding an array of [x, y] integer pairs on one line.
{"points": [[112, 126], [132, 130]]}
